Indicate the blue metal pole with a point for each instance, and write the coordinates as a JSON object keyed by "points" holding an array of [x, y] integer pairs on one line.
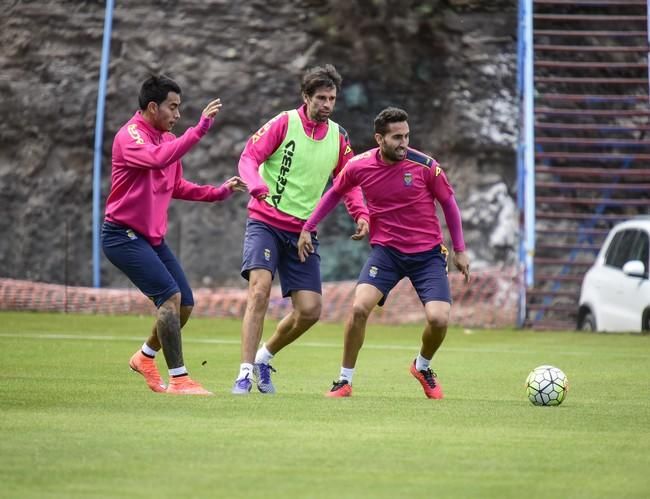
{"points": [[529, 144], [99, 136], [521, 304], [525, 153]]}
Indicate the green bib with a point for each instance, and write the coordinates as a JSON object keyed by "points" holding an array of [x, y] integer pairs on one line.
{"points": [[298, 170]]}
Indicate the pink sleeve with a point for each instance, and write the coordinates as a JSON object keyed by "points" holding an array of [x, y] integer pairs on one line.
{"points": [[438, 184], [190, 191], [140, 153], [326, 204], [258, 149], [454, 222], [354, 198]]}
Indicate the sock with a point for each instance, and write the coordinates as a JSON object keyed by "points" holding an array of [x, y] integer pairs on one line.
{"points": [[263, 356], [148, 351], [346, 374], [178, 372], [245, 369], [422, 364]]}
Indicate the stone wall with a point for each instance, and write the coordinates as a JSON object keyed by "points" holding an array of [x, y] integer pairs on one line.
{"points": [[450, 63]]}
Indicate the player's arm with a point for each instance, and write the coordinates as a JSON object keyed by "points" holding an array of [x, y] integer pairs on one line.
{"points": [[343, 184], [445, 196], [139, 152], [326, 204], [353, 199], [259, 147], [189, 191], [454, 224]]}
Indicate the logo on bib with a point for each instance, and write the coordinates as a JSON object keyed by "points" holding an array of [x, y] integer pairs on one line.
{"points": [[281, 181]]}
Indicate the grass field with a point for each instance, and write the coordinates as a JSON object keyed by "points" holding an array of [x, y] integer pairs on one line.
{"points": [[76, 423]]}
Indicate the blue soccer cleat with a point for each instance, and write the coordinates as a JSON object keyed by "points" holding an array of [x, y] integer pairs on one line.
{"points": [[242, 386], [262, 373]]}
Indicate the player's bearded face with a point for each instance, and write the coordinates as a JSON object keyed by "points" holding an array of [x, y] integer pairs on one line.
{"points": [[394, 143], [167, 112], [320, 105]]}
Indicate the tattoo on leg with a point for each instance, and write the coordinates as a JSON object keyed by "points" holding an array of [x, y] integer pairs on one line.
{"points": [[169, 334]]}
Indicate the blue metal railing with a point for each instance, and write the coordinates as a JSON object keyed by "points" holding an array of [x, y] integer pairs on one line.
{"points": [[525, 152], [99, 140]]}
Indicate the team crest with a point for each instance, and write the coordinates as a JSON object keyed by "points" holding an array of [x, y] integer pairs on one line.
{"points": [[267, 254], [408, 179], [373, 271]]}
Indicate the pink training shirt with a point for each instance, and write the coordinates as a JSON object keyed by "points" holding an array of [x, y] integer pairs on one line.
{"points": [[263, 144], [401, 200], [147, 173]]}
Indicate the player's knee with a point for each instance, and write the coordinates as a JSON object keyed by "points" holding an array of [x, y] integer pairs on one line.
{"points": [[360, 312], [438, 321], [169, 311], [309, 313], [260, 285], [258, 297], [173, 302]]}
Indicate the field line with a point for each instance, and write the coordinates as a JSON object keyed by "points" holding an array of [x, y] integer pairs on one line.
{"points": [[306, 344]]}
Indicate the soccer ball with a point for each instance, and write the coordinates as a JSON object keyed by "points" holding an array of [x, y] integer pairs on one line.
{"points": [[546, 385]]}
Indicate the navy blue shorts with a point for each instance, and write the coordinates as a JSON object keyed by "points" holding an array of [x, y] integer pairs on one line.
{"points": [[266, 247], [153, 269], [427, 271]]}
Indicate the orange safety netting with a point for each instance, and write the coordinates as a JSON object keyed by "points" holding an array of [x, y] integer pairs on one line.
{"points": [[490, 300]]}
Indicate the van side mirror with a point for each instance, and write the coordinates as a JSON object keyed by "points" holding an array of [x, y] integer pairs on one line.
{"points": [[634, 268]]}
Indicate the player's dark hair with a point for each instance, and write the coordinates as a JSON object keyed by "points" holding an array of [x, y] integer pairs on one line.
{"points": [[320, 76], [389, 115], [155, 89]]}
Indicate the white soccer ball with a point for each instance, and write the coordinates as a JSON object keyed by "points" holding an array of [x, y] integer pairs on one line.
{"points": [[546, 385]]}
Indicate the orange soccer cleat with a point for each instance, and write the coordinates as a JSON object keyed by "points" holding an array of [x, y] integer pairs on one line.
{"points": [[184, 385], [429, 382], [146, 366], [340, 389]]}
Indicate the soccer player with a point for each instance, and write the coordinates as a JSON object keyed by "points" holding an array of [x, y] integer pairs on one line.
{"points": [[401, 186], [146, 174], [286, 165]]}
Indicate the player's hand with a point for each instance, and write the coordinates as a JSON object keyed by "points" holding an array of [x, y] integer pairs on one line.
{"points": [[305, 247], [260, 192], [235, 184], [461, 261], [363, 227], [212, 108]]}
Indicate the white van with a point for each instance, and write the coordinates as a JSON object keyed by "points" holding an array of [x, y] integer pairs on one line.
{"points": [[615, 294]]}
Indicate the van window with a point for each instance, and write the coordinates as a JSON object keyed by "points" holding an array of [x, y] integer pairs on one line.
{"points": [[622, 248], [641, 249]]}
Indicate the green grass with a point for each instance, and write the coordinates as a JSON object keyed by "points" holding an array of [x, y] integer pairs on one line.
{"points": [[76, 423]]}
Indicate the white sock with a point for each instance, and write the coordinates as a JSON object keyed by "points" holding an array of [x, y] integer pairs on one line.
{"points": [[178, 371], [263, 356], [245, 369], [346, 374], [422, 364], [148, 351]]}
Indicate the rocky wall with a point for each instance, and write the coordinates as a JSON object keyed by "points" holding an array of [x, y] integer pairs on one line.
{"points": [[451, 64]]}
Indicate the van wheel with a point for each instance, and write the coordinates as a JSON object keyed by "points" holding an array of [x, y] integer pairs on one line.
{"points": [[645, 321], [588, 322]]}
